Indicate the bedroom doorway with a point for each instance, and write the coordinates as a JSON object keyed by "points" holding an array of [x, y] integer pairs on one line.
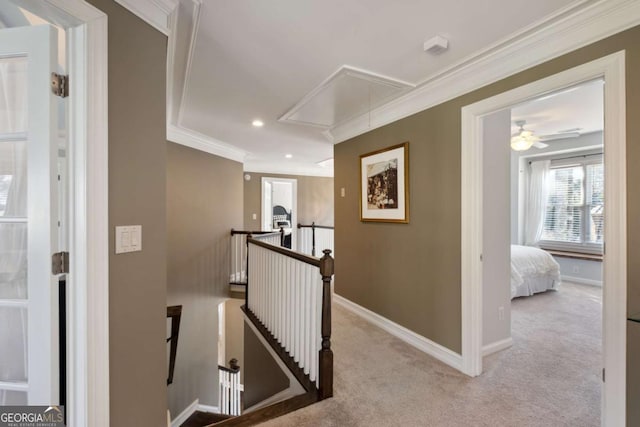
{"points": [[611, 70], [280, 206]]}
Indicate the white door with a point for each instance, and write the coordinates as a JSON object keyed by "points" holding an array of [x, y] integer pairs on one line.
{"points": [[29, 371]]}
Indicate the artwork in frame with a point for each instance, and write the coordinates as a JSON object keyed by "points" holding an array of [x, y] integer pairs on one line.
{"points": [[384, 185]]}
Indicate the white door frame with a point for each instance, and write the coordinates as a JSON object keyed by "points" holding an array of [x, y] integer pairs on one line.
{"points": [[294, 206], [612, 69], [88, 281]]}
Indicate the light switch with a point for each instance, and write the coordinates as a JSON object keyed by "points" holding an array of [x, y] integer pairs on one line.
{"points": [[128, 238], [254, 216]]}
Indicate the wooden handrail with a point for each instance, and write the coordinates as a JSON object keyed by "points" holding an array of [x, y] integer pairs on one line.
{"points": [[314, 225], [175, 313], [234, 232], [286, 252]]}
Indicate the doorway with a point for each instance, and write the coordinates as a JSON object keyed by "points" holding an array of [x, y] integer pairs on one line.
{"points": [[611, 69], [280, 207]]}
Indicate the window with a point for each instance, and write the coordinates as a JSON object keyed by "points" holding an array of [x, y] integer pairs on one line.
{"points": [[575, 205]]}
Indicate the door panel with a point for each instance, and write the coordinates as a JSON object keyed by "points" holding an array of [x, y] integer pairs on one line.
{"points": [[29, 369]]}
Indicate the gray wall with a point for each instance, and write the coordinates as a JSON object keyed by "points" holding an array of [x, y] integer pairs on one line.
{"points": [[496, 266], [204, 199], [315, 199], [412, 273], [137, 158]]}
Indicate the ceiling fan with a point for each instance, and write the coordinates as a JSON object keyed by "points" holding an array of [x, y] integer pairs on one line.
{"points": [[525, 139]]}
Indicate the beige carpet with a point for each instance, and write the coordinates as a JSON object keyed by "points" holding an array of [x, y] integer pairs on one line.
{"points": [[550, 377]]}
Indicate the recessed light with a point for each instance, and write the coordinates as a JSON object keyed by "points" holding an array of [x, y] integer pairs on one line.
{"points": [[288, 156], [257, 123]]}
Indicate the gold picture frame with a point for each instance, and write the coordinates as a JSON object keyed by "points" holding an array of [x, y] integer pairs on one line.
{"points": [[384, 185]]}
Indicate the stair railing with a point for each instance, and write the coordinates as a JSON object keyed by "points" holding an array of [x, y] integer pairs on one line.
{"points": [[311, 237], [238, 268], [229, 396], [288, 298]]}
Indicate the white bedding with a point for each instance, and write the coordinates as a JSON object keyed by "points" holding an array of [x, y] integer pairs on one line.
{"points": [[532, 270]]}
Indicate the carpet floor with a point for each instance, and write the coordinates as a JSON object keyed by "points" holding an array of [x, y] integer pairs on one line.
{"points": [[549, 377]]}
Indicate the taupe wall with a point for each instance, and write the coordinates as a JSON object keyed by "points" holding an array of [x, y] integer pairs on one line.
{"points": [[315, 199], [263, 377], [204, 201], [412, 273], [137, 281]]}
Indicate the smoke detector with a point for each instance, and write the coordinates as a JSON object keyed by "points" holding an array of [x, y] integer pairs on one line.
{"points": [[436, 45]]}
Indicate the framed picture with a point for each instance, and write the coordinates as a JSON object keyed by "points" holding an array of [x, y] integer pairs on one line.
{"points": [[384, 185]]}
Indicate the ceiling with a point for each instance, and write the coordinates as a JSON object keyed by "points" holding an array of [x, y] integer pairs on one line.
{"points": [[314, 71], [578, 107], [252, 59]]}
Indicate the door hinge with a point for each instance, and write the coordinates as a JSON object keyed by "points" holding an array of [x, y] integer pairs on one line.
{"points": [[60, 263], [60, 85], [603, 376]]}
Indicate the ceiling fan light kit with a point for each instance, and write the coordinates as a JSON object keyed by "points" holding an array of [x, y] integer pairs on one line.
{"points": [[521, 143]]}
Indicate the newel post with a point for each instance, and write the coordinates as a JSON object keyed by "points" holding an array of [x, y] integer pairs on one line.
{"points": [[326, 355], [246, 288]]}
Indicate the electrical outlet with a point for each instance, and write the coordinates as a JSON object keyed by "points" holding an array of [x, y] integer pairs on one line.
{"points": [[500, 313], [254, 216], [342, 192]]}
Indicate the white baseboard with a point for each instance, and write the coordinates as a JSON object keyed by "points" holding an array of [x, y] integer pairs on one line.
{"points": [[497, 346], [184, 415], [582, 281], [433, 349], [207, 408]]}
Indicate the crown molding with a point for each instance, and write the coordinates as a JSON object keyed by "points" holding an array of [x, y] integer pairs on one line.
{"points": [[179, 67], [204, 143], [581, 23], [281, 169], [154, 12]]}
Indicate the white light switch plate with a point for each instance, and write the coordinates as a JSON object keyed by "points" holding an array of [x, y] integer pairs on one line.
{"points": [[128, 239]]}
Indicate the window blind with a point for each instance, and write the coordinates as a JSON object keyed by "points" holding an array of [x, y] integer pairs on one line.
{"points": [[575, 210]]}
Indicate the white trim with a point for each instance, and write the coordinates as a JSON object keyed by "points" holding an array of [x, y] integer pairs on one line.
{"points": [[497, 346], [283, 168], [612, 68], [197, 10], [582, 281], [175, 106], [184, 415], [433, 349], [154, 12], [208, 408], [88, 310], [204, 143], [567, 30]]}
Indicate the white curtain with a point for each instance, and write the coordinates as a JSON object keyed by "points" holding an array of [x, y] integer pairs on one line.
{"points": [[536, 202], [13, 234]]}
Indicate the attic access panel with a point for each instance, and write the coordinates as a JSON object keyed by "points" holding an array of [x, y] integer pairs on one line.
{"points": [[347, 93]]}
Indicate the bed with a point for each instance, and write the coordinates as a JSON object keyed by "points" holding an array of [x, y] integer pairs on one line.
{"points": [[532, 270]]}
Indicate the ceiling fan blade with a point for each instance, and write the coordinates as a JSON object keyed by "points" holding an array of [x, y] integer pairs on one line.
{"points": [[562, 135], [540, 145]]}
